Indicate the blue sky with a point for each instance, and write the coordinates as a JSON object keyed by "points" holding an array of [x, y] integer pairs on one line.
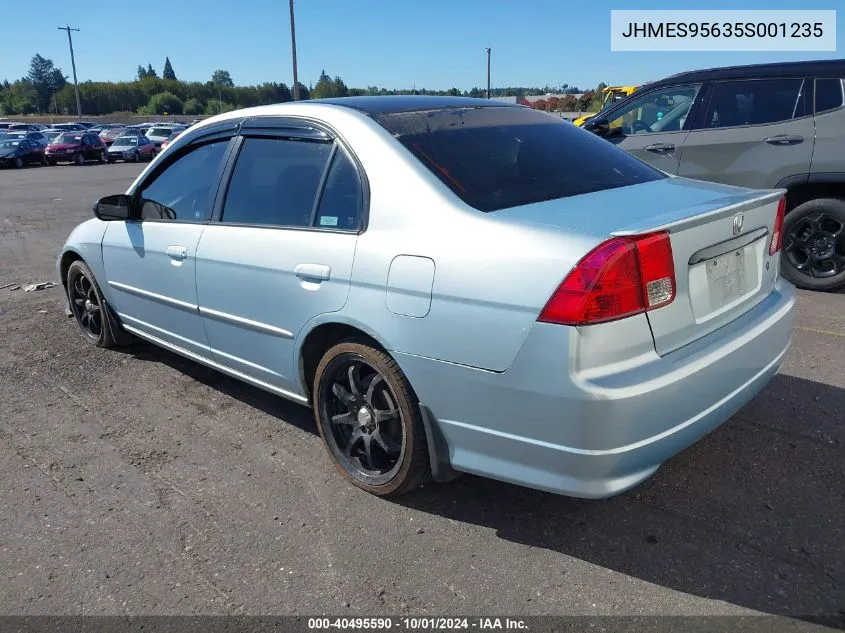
{"points": [[388, 43]]}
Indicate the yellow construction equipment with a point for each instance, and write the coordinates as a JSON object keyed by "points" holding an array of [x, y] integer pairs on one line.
{"points": [[609, 96]]}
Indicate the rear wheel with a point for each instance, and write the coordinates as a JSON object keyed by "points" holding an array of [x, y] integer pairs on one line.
{"points": [[813, 255], [370, 421], [135, 157]]}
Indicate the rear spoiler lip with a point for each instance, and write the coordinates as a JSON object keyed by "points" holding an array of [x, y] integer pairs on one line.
{"points": [[756, 199]]}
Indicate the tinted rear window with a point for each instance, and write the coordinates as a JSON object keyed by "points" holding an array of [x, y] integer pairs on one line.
{"points": [[500, 157], [160, 131]]}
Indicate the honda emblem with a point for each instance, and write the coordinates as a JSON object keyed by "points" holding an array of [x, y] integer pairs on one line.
{"points": [[738, 220]]}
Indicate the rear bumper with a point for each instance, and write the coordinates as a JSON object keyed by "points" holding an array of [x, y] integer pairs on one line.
{"points": [[545, 424]]}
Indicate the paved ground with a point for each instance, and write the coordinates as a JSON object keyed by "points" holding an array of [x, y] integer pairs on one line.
{"points": [[136, 482]]}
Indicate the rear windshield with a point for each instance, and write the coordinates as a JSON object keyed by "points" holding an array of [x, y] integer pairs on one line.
{"points": [[160, 131], [500, 157], [69, 138]]}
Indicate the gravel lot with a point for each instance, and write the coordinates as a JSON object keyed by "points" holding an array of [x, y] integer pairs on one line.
{"points": [[136, 482]]}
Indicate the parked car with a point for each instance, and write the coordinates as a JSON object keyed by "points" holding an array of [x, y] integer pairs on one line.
{"points": [[131, 147], [69, 127], [431, 275], [109, 134], [20, 152], [168, 140], [76, 147], [26, 127], [157, 134], [762, 126], [35, 136], [52, 134]]}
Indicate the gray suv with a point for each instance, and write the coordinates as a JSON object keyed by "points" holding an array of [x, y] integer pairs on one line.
{"points": [[762, 126]]}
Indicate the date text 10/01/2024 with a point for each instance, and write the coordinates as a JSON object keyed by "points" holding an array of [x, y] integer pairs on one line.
{"points": [[416, 624]]}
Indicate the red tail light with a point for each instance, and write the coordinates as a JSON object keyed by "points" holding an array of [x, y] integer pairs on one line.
{"points": [[774, 246], [620, 277]]}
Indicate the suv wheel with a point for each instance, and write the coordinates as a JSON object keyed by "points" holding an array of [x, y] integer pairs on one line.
{"points": [[79, 159], [813, 255]]}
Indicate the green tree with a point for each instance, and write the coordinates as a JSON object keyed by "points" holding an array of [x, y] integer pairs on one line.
{"points": [[165, 103], [46, 79], [193, 106], [141, 73], [215, 106], [151, 71], [168, 73], [328, 88], [222, 78]]}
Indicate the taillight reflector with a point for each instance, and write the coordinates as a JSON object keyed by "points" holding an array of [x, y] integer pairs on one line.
{"points": [[620, 277], [774, 245]]}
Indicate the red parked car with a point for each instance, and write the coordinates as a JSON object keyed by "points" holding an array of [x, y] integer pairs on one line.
{"points": [[76, 147]]}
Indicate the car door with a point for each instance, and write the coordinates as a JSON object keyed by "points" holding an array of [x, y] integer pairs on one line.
{"points": [[26, 152], [282, 250], [753, 133], [150, 262], [653, 125]]}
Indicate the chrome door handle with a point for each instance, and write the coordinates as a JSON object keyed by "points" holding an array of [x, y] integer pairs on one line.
{"points": [[660, 148], [784, 139], [177, 252], [311, 272]]}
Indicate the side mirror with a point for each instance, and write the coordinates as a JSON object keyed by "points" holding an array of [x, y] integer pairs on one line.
{"points": [[600, 127], [115, 207]]}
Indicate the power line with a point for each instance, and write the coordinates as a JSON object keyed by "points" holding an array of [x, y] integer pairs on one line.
{"points": [[73, 64]]}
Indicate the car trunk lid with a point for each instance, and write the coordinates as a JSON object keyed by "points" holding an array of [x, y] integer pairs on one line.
{"points": [[720, 239]]}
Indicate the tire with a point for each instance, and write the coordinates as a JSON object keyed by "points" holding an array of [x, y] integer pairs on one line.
{"points": [[102, 158], [397, 461], [136, 157], [19, 162], [813, 245], [51, 162], [44, 161], [99, 326], [79, 159]]}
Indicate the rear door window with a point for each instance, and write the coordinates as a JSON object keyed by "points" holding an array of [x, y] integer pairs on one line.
{"points": [[498, 157], [754, 102], [275, 182], [828, 95]]}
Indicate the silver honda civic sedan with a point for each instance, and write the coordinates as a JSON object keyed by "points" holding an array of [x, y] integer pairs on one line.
{"points": [[454, 285]]}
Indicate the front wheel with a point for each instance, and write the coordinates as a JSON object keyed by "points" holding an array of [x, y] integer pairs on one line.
{"points": [[370, 421], [88, 306], [79, 159], [102, 158], [18, 162], [813, 254]]}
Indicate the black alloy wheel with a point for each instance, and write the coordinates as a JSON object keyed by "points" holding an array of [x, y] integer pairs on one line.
{"points": [[369, 420], [814, 245]]}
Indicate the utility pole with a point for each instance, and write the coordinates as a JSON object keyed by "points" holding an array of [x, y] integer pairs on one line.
{"points": [[488, 73], [293, 50], [73, 63]]}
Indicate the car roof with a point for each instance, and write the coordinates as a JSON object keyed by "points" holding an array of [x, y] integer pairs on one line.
{"points": [[389, 104], [818, 68]]}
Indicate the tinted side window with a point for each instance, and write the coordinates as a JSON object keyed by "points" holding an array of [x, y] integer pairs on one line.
{"points": [[183, 189], [340, 204], [661, 110], [754, 102], [828, 94], [275, 182]]}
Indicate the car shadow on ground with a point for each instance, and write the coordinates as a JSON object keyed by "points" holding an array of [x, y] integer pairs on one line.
{"points": [[752, 515], [299, 416]]}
